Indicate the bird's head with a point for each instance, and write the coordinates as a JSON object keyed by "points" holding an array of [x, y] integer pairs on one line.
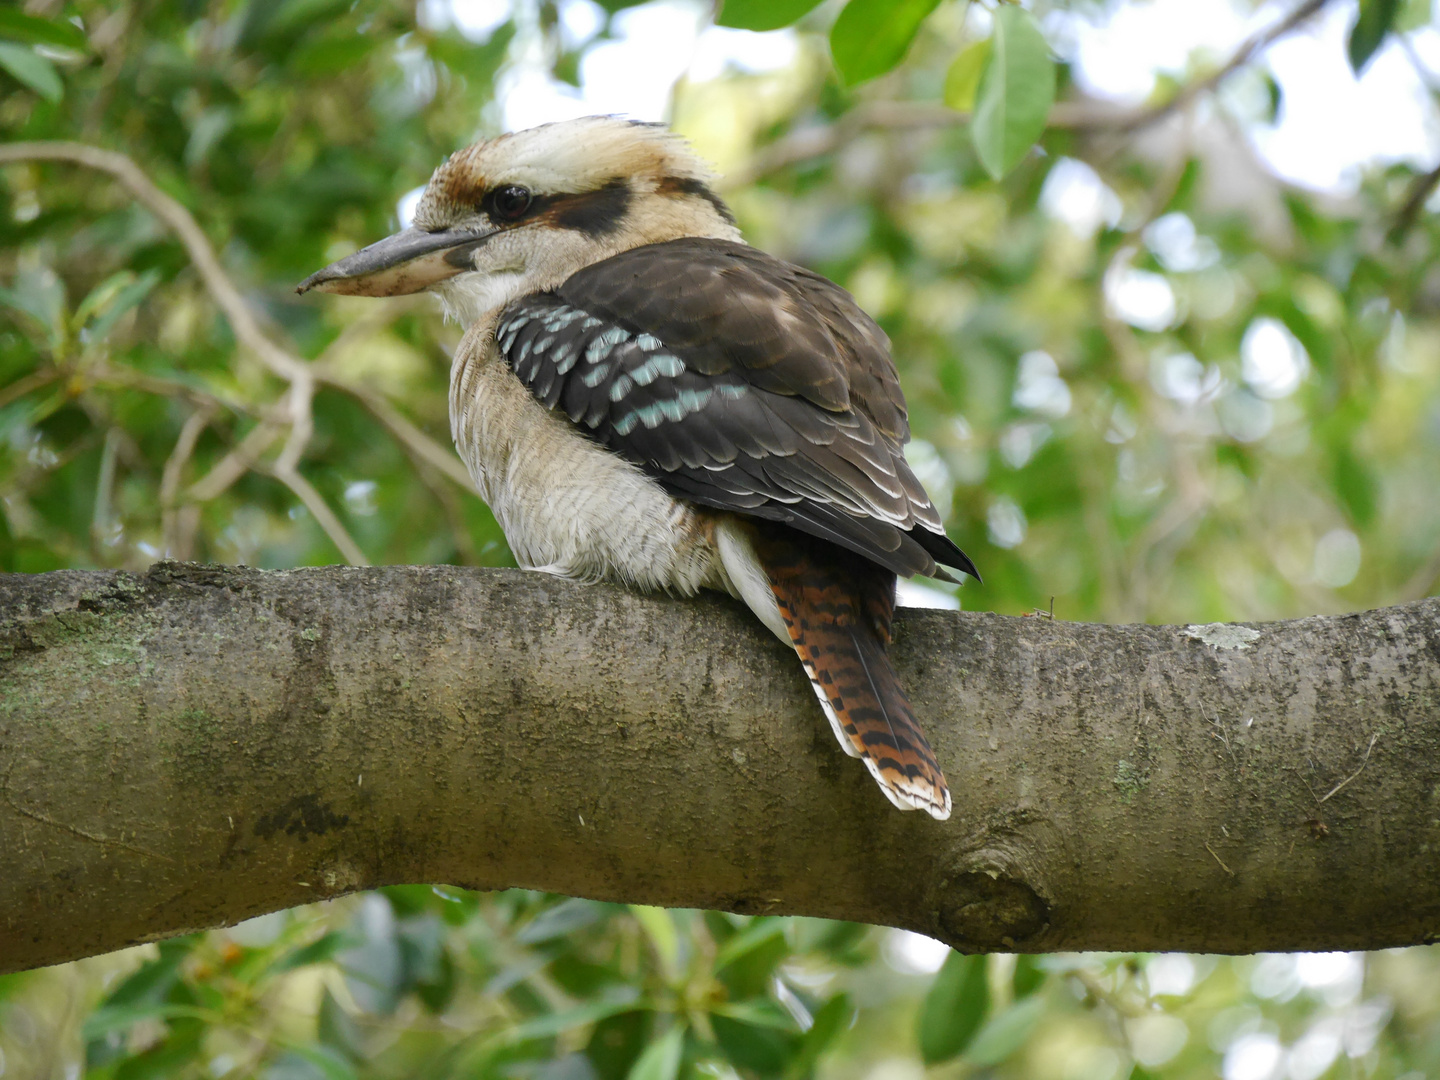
{"points": [[522, 212]]}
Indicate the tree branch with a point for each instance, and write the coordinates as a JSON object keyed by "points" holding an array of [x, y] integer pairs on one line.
{"points": [[302, 376], [806, 144], [178, 220], [200, 744]]}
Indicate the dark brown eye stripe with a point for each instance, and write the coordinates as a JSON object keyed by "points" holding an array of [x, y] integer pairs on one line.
{"points": [[688, 185], [595, 213]]}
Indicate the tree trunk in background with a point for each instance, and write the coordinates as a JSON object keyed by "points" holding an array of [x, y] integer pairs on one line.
{"points": [[200, 744]]}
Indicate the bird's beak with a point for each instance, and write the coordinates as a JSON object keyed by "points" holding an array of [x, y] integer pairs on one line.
{"points": [[407, 262]]}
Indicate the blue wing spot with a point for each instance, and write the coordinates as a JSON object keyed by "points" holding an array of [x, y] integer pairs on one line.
{"points": [[601, 344], [672, 409], [565, 355], [731, 391], [693, 400], [657, 365], [648, 342], [620, 387], [561, 318], [596, 375], [525, 348], [544, 343], [591, 322]]}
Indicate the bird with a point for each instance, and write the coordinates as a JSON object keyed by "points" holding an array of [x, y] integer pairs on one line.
{"points": [[642, 397]]}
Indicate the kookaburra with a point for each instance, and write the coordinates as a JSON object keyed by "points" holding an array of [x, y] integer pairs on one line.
{"points": [[644, 398]]}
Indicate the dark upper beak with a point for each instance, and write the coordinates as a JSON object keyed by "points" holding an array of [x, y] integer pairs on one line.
{"points": [[407, 262]]}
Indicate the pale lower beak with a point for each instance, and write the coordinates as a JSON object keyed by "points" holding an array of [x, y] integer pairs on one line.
{"points": [[407, 262]]}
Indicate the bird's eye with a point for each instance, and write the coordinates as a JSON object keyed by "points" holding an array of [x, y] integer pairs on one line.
{"points": [[508, 203]]}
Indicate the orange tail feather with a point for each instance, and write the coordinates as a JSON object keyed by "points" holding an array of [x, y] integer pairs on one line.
{"points": [[838, 607]]}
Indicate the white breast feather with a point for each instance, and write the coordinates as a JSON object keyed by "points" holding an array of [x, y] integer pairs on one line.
{"points": [[569, 506]]}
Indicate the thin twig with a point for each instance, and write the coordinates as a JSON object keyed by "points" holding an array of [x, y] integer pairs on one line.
{"points": [[320, 510], [172, 213], [1221, 861], [190, 432], [807, 144], [46, 819], [298, 404], [420, 446], [302, 376], [101, 516], [1100, 992], [26, 383], [1248, 51], [236, 463], [1421, 188], [1358, 771], [101, 372]]}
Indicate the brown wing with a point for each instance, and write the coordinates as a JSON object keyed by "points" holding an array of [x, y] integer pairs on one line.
{"points": [[739, 382]]}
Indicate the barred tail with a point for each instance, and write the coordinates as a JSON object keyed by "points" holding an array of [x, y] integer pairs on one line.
{"points": [[837, 608]]}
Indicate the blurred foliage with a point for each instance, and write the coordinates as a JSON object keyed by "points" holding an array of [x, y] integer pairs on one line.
{"points": [[1147, 380]]}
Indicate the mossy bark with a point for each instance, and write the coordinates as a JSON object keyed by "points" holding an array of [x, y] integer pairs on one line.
{"points": [[199, 744]]}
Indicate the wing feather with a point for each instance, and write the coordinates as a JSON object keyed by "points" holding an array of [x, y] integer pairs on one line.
{"points": [[739, 382]]}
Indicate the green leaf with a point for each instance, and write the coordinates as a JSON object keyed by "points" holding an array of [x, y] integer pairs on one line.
{"points": [[477, 64], [761, 1048], [13, 983], [39, 295], [751, 938], [762, 14], [1356, 486], [317, 952], [17, 26], [291, 17], [153, 980], [101, 295], [110, 1018], [954, 1008], [1005, 1033], [329, 1062], [113, 307], [1029, 976], [331, 54], [560, 920], [337, 1029], [661, 1059], [1414, 14], [761, 1012], [1016, 92], [32, 69], [962, 81], [747, 961], [660, 929], [871, 36], [1275, 98], [617, 1041], [1374, 21], [830, 1020], [543, 1027]]}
